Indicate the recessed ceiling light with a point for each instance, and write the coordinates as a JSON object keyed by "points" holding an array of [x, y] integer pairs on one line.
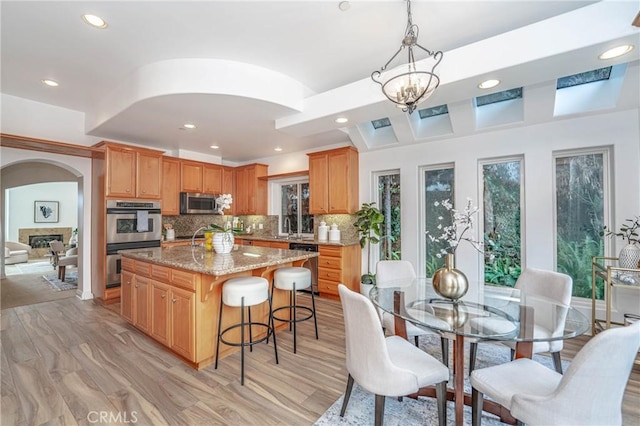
{"points": [[277, 149], [94, 21], [616, 51], [342, 120], [189, 126], [488, 84], [344, 6], [50, 83], [214, 147]]}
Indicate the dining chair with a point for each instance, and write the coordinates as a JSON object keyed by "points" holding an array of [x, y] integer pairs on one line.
{"points": [[61, 259], [388, 274], [548, 284], [589, 393], [385, 366]]}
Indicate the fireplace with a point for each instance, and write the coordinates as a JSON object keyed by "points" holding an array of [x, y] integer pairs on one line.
{"points": [[42, 241]]}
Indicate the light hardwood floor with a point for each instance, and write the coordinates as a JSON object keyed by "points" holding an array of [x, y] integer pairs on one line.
{"points": [[67, 361]]}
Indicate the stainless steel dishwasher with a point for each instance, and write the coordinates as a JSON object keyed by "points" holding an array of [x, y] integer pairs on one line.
{"points": [[311, 264]]}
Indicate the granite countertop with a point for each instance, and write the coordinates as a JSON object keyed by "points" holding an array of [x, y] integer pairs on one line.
{"points": [[197, 259]]}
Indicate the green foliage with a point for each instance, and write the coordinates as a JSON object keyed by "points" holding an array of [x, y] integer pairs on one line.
{"points": [[502, 272], [628, 231], [368, 222], [574, 259], [433, 264], [503, 262]]}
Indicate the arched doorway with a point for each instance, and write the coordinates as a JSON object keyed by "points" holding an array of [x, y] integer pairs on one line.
{"points": [[31, 168]]}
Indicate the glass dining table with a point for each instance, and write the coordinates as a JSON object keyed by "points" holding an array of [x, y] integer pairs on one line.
{"points": [[485, 313]]}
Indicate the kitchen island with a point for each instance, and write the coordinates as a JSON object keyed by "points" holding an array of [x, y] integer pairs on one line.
{"points": [[173, 294]]}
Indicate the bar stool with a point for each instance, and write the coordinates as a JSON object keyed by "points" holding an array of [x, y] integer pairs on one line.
{"points": [[245, 292], [292, 279]]}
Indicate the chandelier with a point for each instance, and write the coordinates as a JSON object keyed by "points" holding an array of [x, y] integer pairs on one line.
{"points": [[409, 84]]}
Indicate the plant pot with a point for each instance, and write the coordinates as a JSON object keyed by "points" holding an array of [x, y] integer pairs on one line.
{"points": [[449, 282], [629, 256], [365, 289], [223, 242]]}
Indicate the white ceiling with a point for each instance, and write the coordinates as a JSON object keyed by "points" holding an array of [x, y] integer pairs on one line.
{"points": [[164, 63]]}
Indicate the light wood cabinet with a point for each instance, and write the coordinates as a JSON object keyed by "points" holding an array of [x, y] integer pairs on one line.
{"points": [[161, 302], [126, 295], [132, 172], [251, 190], [191, 173], [212, 179], [141, 317], [333, 181], [170, 186], [200, 177], [336, 265], [229, 186]]}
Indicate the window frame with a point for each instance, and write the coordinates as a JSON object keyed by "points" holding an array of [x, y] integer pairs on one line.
{"points": [[523, 208], [276, 195]]}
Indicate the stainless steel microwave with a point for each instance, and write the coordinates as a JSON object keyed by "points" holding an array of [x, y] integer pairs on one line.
{"points": [[197, 203]]}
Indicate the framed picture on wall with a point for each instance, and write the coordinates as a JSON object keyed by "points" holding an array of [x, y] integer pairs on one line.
{"points": [[46, 211]]}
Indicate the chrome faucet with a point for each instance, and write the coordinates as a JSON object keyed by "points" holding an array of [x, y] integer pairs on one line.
{"points": [[287, 225]]}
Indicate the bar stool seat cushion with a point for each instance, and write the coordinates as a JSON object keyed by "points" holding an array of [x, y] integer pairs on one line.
{"points": [[255, 290], [285, 278]]}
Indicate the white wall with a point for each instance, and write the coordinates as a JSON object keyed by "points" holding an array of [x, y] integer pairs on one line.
{"points": [[19, 206]]}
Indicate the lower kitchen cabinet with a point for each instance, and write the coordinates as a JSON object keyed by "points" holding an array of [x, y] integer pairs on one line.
{"points": [[161, 302], [173, 317], [338, 265]]}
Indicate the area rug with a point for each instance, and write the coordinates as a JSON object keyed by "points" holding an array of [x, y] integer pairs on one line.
{"points": [[70, 281], [423, 411], [29, 268]]}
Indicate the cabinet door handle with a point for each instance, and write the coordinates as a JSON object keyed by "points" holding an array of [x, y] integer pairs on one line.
{"points": [[137, 286], [163, 296], [174, 300], [128, 190]]}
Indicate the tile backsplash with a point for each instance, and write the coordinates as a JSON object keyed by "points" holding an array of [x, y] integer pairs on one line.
{"points": [[186, 225]]}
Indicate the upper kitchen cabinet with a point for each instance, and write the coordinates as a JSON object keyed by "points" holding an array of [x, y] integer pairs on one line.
{"points": [[130, 172], [170, 186], [333, 181], [229, 185], [251, 190], [200, 177]]}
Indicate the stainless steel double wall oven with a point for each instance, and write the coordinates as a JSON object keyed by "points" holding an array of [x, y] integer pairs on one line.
{"points": [[130, 224]]}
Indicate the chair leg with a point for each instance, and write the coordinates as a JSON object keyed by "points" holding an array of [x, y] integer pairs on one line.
{"points": [[315, 318], [379, 419], [295, 317], [242, 340], [219, 327], [441, 395], [250, 332], [273, 329], [513, 354], [347, 395], [557, 361], [476, 407], [473, 351], [415, 340], [444, 344]]}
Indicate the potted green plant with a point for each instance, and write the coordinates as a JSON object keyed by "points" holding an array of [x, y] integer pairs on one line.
{"points": [[368, 222]]}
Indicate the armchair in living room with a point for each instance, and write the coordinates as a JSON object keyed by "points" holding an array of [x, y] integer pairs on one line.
{"points": [[15, 252], [61, 258]]}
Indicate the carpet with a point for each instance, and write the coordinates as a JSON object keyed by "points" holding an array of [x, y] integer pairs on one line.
{"points": [[422, 411], [70, 281], [28, 268]]}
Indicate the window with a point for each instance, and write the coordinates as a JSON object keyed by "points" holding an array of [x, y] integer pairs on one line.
{"points": [[438, 185], [580, 196], [506, 95], [381, 123], [584, 78], [433, 111], [294, 208], [389, 204], [502, 197]]}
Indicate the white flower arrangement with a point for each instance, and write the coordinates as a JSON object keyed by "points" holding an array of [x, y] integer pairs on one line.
{"points": [[224, 202], [461, 223]]}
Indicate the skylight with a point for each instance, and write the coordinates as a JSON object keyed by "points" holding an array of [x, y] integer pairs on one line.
{"points": [[584, 78], [380, 123], [505, 95], [433, 111]]}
